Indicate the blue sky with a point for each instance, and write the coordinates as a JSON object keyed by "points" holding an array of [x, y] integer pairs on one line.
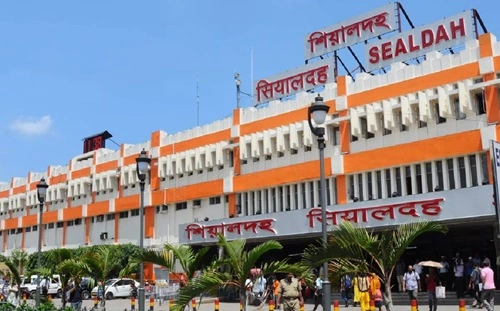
{"points": [[70, 69]]}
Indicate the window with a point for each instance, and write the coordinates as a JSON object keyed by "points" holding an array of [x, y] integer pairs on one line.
{"points": [[409, 184], [388, 182], [473, 170], [259, 202], [461, 172], [379, 184], [335, 191], [364, 129], [398, 181], [281, 198], [311, 192], [35, 228], [266, 201], [328, 193], [303, 191], [180, 206], [60, 224], [296, 195], [351, 190], [418, 175], [421, 124], [28, 229], [78, 222], [456, 109], [402, 127], [479, 103], [360, 187], [273, 198], [214, 200], [334, 135], [484, 169], [428, 174], [123, 215], [196, 202], [110, 216], [288, 201], [134, 212], [245, 206], [439, 119], [70, 223], [451, 173], [385, 131], [51, 225], [370, 185], [440, 176]]}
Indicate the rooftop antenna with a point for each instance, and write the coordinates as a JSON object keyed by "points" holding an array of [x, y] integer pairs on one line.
{"points": [[197, 104], [238, 90]]}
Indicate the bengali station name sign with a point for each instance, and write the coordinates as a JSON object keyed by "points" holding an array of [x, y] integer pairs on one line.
{"points": [[351, 31], [290, 82], [449, 32]]}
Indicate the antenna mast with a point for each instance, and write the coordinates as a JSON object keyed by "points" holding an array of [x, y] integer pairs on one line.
{"points": [[238, 91], [197, 105]]}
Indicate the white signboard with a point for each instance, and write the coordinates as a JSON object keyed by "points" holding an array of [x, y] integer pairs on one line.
{"points": [[495, 158], [290, 82], [453, 206], [449, 32], [351, 31]]}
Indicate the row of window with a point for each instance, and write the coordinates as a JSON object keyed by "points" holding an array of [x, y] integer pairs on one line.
{"points": [[286, 197], [444, 174]]}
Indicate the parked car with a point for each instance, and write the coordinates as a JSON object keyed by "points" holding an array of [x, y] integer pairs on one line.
{"points": [[54, 286], [117, 288], [86, 285]]}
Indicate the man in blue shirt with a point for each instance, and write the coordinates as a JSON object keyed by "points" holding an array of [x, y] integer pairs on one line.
{"points": [[411, 283]]}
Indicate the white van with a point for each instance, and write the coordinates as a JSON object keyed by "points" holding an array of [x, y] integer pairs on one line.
{"points": [[54, 285]]}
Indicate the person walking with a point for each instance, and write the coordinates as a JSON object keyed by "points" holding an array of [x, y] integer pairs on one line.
{"points": [[411, 283], [355, 298], [345, 288], [363, 281], [400, 271], [291, 292], [488, 278], [458, 269], [475, 286], [432, 281], [318, 292], [75, 295]]}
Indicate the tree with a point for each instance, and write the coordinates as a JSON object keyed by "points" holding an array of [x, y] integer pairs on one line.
{"points": [[99, 265], [20, 259], [353, 249], [233, 269]]}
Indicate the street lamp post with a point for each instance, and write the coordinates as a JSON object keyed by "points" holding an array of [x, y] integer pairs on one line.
{"points": [[41, 191], [318, 111], [142, 169]]}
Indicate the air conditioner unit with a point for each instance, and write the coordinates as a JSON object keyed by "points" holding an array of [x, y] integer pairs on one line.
{"points": [[103, 236]]}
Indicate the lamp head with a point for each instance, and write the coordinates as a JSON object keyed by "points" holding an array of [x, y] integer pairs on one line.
{"points": [[41, 190], [142, 167], [317, 111]]}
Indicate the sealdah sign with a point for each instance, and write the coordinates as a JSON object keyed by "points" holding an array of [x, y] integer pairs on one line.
{"points": [[416, 42]]}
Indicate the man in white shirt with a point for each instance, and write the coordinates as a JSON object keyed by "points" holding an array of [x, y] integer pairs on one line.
{"points": [[248, 289], [259, 286]]}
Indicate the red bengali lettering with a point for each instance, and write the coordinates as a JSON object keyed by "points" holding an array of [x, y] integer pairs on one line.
{"points": [[195, 229], [432, 207]]}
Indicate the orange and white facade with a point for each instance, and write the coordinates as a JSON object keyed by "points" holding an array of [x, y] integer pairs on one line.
{"points": [[417, 133]]}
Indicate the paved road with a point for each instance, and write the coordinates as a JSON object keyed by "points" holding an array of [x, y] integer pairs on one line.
{"points": [[208, 305]]}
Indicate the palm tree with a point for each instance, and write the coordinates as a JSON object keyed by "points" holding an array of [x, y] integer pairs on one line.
{"points": [[20, 258], [352, 249], [233, 269], [98, 265]]}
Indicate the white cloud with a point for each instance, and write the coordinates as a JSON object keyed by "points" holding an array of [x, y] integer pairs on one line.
{"points": [[32, 126]]}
